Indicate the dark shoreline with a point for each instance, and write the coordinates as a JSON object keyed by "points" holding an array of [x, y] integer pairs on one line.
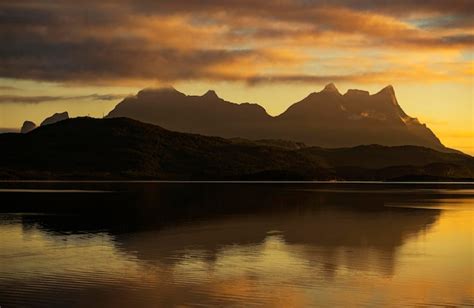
{"points": [[124, 149]]}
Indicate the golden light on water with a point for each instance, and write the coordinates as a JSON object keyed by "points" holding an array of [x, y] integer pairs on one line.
{"points": [[422, 259]]}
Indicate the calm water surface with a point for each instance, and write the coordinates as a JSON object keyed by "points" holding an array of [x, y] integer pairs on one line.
{"points": [[272, 245]]}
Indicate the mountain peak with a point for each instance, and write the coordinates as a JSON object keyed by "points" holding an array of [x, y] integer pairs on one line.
{"points": [[389, 92], [325, 118], [59, 116], [211, 94], [27, 127], [330, 88]]}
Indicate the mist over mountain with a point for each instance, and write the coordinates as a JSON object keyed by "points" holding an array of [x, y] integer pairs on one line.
{"points": [[121, 148], [326, 118]]}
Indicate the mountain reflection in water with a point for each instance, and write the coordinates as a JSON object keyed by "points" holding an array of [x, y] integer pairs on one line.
{"points": [[152, 244]]}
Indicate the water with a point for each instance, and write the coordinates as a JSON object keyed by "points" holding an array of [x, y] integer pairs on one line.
{"points": [[273, 245]]}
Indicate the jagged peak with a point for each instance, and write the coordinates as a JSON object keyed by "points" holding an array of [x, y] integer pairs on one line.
{"points": [[330, 88], [210, 94], [387, 90]]}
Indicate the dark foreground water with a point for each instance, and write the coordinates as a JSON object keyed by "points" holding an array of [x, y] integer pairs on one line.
{"points": [[274, 245]]}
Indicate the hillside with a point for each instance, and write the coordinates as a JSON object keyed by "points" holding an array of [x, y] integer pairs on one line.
{"points": [[122, 148]]}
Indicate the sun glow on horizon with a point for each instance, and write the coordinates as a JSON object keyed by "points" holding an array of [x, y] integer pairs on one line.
{"points": [[64, 57]]}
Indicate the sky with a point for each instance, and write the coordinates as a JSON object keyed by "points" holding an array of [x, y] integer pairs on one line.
{"points": [[85, 56]]}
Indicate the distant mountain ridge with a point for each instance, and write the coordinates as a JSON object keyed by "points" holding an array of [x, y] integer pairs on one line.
{"points": [[326, 118], [122, 148], [28, 126], [59, 116]]}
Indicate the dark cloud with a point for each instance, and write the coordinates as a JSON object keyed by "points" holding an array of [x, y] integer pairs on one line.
{"points": [[94, 41], [390, 7], [7, 88], [299, 78], [459, 39], [95, 60], [321, 79], [303, 10], [462, 22], [407, 6], [8, 130], [42, 99]]}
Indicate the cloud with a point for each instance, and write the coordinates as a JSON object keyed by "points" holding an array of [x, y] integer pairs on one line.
{"points": [[97, 60], [255, 80], [171, 41], [18, 99], [8, 130], [404, 73], [7, 88]]}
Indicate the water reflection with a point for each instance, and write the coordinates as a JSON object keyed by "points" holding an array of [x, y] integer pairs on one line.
{"points": [[283, 245], [326, 235]]}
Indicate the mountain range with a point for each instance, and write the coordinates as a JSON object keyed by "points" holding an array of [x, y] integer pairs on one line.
{"points": [[122, 148], [326, 118]]}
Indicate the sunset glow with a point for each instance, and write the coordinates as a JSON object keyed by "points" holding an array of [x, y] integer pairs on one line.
{"points": [[85, 57]]}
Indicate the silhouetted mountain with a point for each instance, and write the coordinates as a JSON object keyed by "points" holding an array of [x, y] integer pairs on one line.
{"points": [[207, 114], [326, 118], [55, 118], [123, 149], [27, 127]]}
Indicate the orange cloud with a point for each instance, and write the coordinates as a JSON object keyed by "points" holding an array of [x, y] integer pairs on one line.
{"points": [[250, 41]]}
